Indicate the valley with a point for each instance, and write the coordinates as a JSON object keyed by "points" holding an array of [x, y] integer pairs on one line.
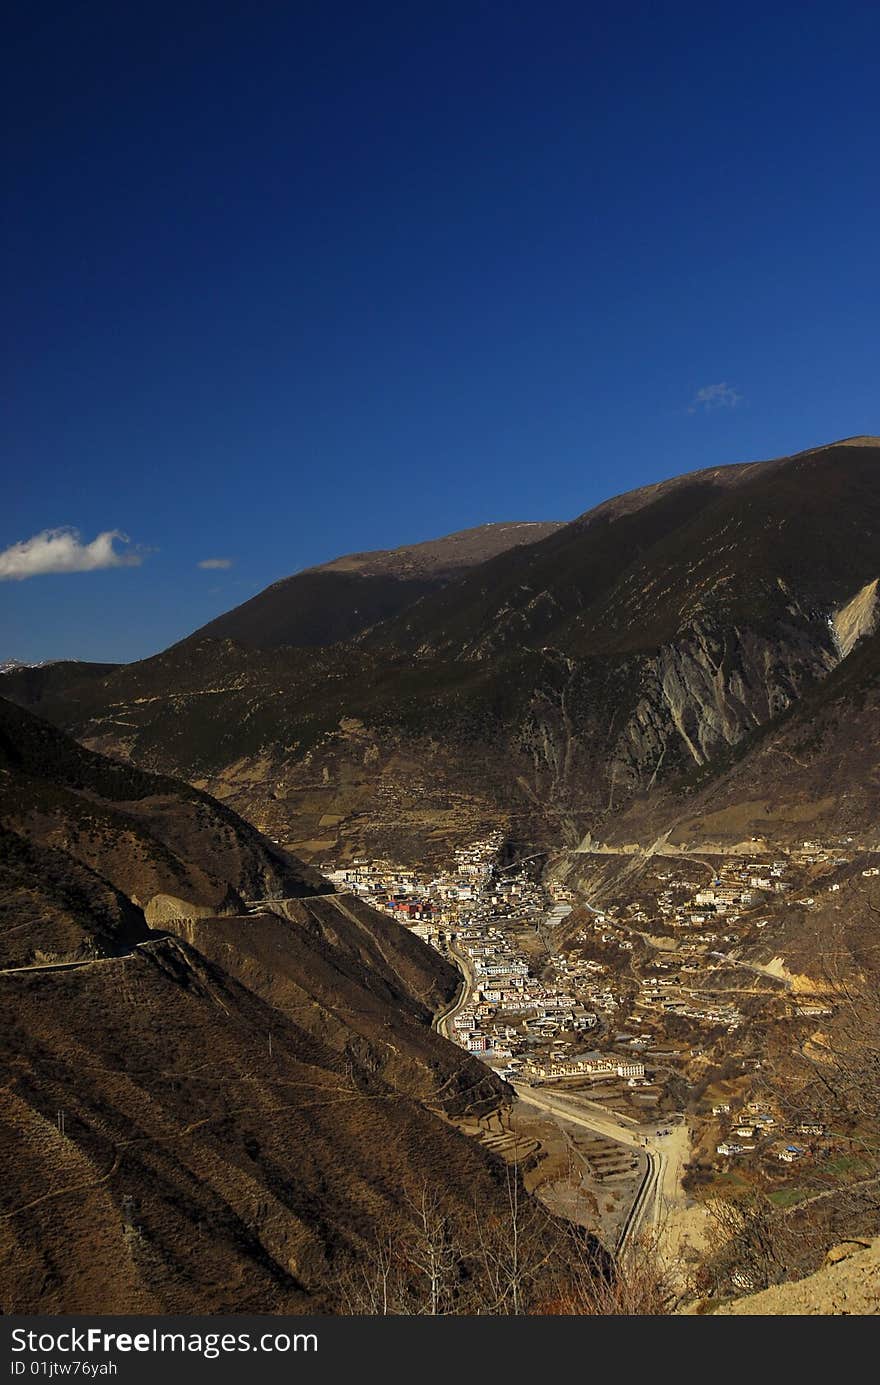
{"points": [[646, 1012], [538, 857], [439, 680]]}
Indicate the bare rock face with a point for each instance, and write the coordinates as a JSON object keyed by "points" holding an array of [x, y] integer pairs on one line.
{"points": [[848, 1283], [709, 688], [851, 622]]}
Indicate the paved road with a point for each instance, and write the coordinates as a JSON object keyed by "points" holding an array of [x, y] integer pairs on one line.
{"points": [[661, 1186], [443, 1022], [599, 1119], [644, 1198]]}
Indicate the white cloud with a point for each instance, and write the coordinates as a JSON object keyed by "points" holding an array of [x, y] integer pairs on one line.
{"points": [[62, 550], [720, 396], [213, 563]]}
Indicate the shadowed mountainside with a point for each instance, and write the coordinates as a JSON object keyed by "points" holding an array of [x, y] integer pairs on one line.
{"points": [[92, 851], [218, 1153], [229, 1116]]}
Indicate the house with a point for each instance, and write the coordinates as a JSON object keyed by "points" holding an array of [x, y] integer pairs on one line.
{"points": [[630, 1067], [598, 1062]]}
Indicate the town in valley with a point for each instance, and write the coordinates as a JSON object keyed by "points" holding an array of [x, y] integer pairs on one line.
{"points": [[651, 1009]]}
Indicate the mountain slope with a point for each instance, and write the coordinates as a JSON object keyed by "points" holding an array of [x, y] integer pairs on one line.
{"points": [[202, 1165], [229, 1115], [92, 851]]}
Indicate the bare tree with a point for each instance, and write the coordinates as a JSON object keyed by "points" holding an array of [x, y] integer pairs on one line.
{"points": [[594, 1283], [516, 1253], [431, 1251], [511, 1258], [375, 1286]]}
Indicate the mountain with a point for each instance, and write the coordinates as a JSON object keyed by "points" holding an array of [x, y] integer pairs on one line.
{"points": [[230, 1112], [546, 689], [324, 605], [92, 852], [11, 665], [813, 771], [234, 1120]]}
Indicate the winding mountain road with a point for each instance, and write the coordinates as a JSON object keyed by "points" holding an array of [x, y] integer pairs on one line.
{"points": [[73, 966], [443, 1021], [660, 1187]]}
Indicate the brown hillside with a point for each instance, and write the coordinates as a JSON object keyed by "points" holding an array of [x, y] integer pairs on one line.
{"points": [[197, 1171], [92, 851]]}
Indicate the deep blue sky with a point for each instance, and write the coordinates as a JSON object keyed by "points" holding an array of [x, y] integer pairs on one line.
{"points": [[286, 280]]}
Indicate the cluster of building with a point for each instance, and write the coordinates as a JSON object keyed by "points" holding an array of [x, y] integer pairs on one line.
{"points": [[758, 1128], [521, 1023], [739, 885], [648, 967], [666, 990], [437, 902], [510, 1013]]}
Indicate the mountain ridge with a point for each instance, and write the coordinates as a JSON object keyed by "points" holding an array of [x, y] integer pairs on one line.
{"points": [[334, 601], [545, 689], [94, 851]]}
